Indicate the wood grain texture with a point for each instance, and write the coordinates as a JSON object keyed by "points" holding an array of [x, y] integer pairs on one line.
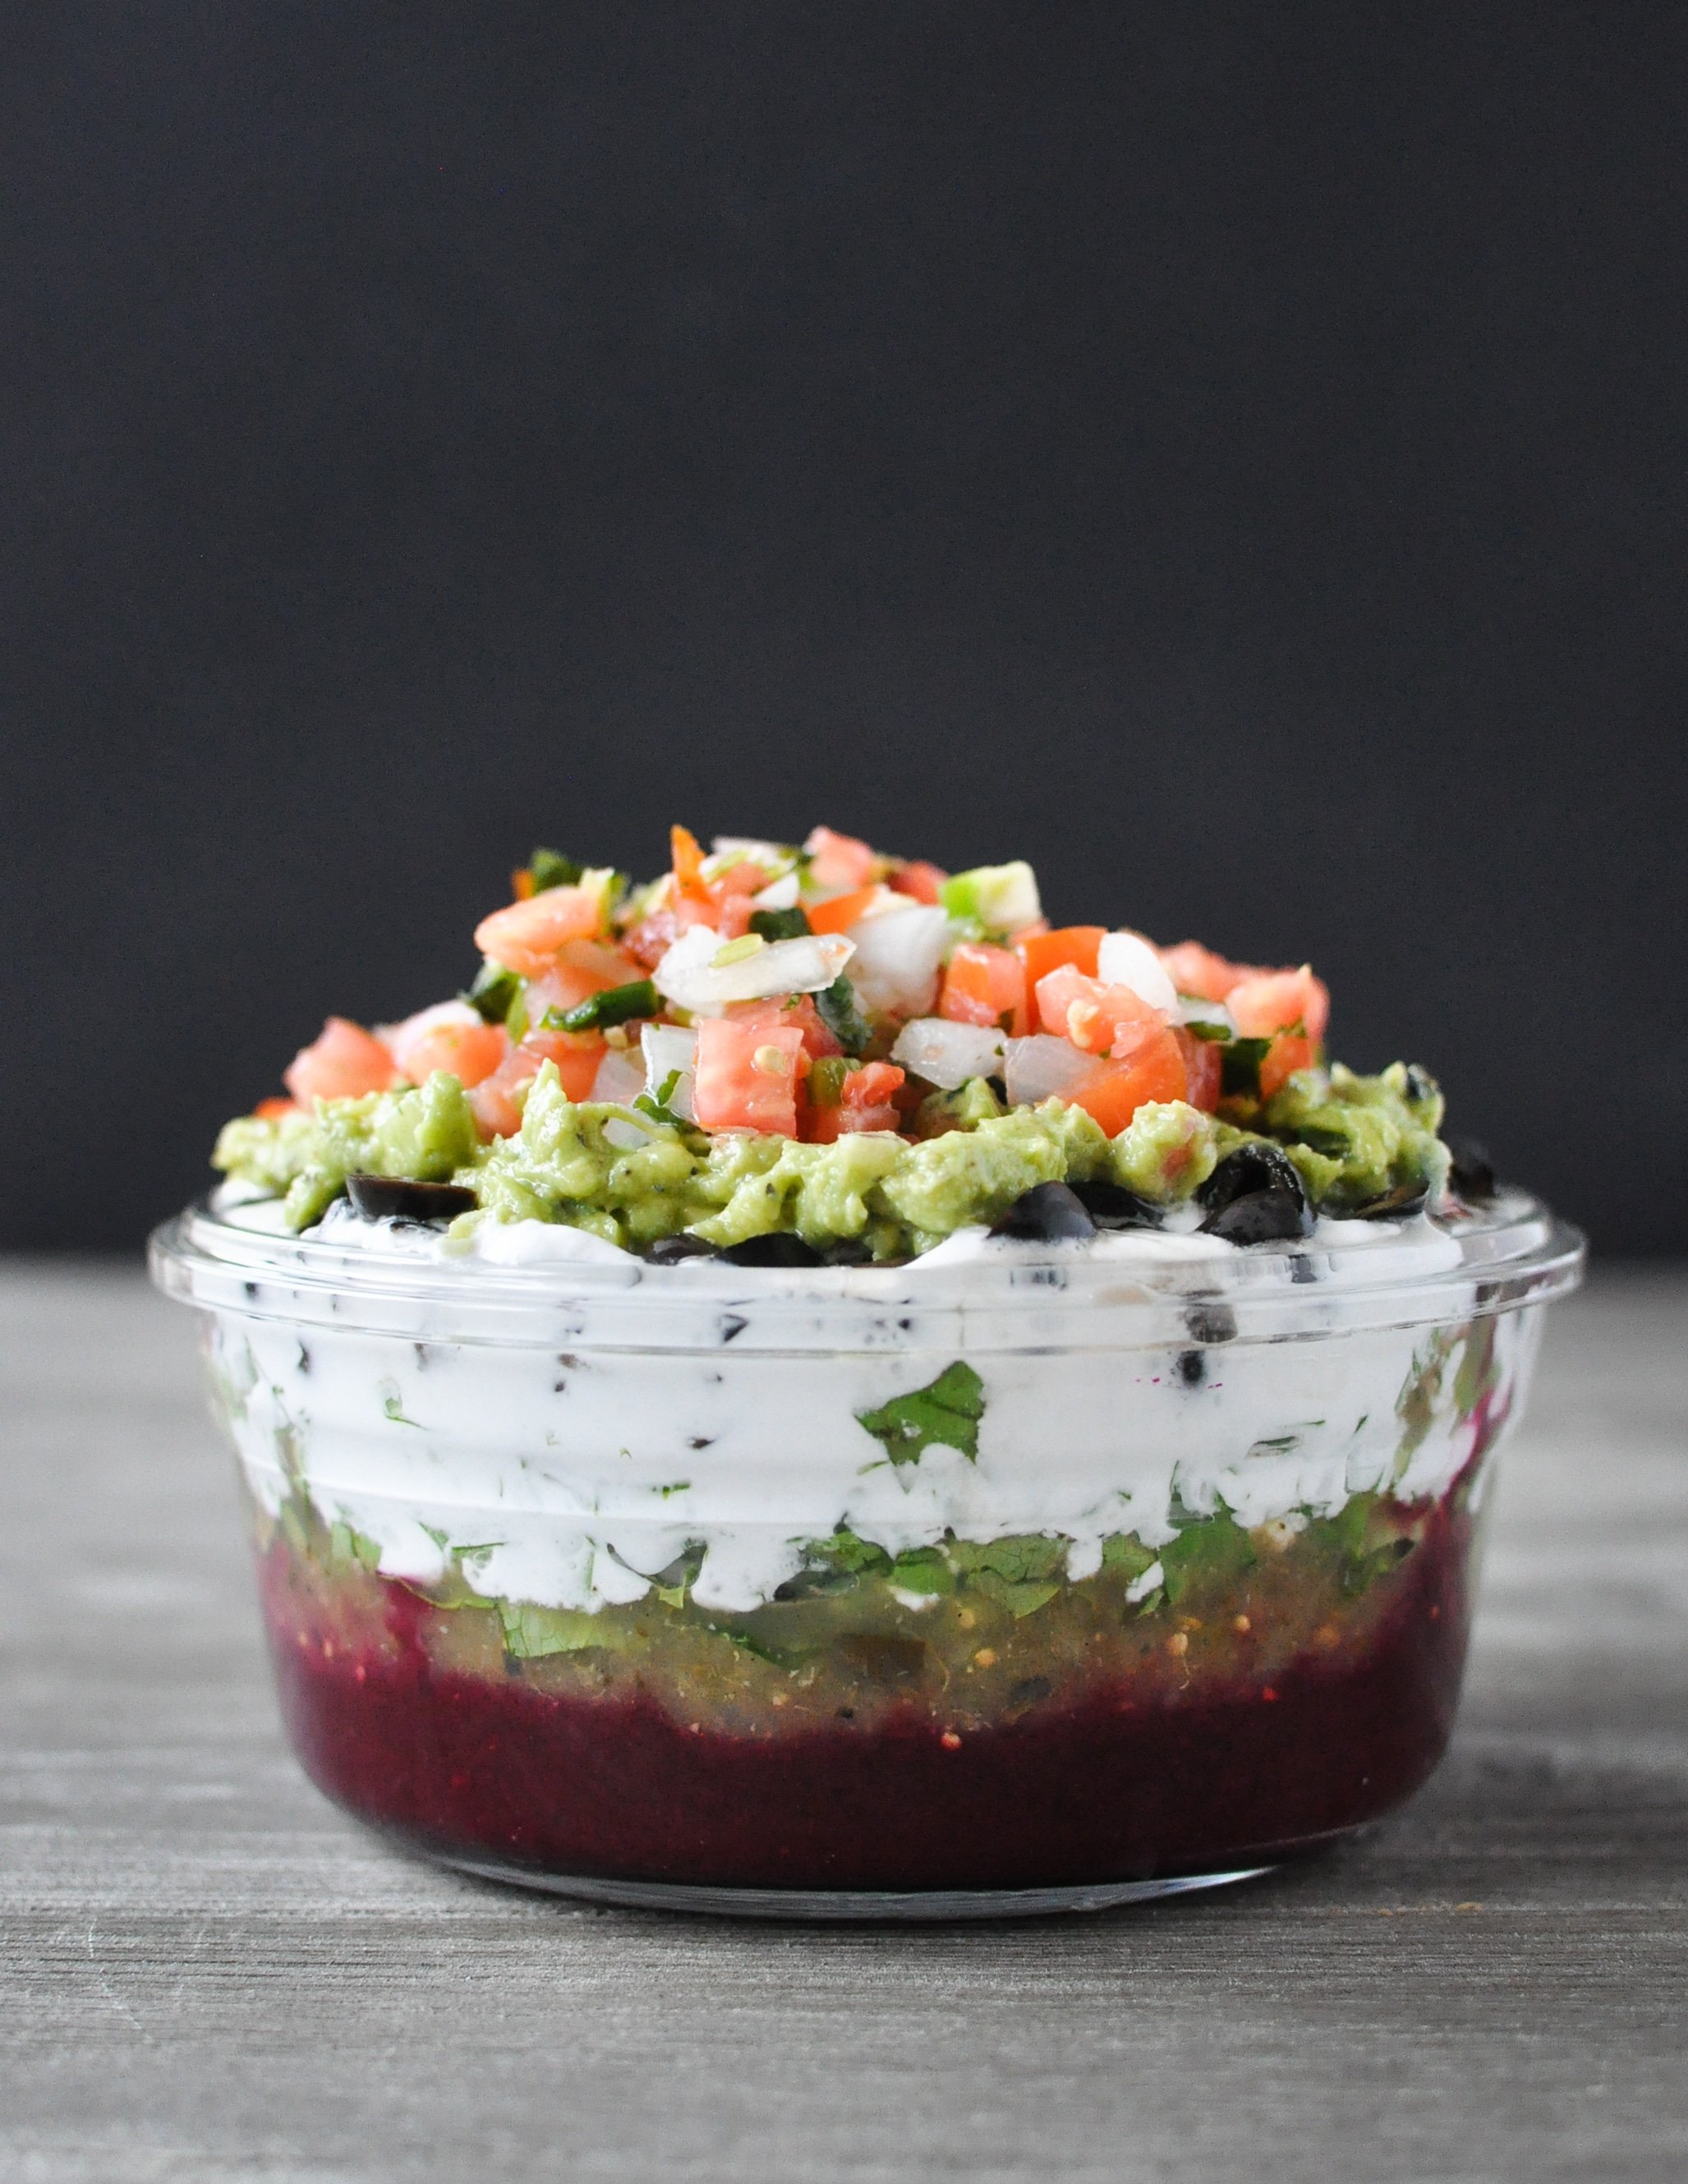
{"points": [[209, 1975]]}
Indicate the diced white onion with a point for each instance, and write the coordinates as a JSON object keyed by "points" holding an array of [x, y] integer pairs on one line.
{"points": [[897, 958], [777, 895], [947, 1054], [1126, 959], [1044, 1068], [690, 978], [666, 1048], [621, 1077], [1193, 1011]]}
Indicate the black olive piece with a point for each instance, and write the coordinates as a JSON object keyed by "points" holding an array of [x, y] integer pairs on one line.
{"points": [[1393, 1205], [1047, 1213], [1261, 1217], [1112, 1205], [1192, 1367], [1472, 1174], [1209, 1321], [781, 1249], [1256, 1166], [846, 1254], [668, 1250], [397, 1198]]}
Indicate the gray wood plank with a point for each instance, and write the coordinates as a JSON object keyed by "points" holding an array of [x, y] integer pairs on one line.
{"points": [[208, 1973]]}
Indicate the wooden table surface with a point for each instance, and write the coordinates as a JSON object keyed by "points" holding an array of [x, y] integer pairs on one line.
{"points": [[210, 1973]]}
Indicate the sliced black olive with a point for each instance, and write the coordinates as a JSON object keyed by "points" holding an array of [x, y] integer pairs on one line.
{"points": [[780, 1249], [1393, 1205], [846, 1254], [1261, 1217], [397, 1198], [669, 1251], [1256, 1166], [1047, 1213], [1472, 1174], [1112, 1205]]}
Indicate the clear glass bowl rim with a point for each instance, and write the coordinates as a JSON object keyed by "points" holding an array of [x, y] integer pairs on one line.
{"points": [[1511, 1254]]}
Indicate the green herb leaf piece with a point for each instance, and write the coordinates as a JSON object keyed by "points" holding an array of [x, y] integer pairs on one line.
{"points": [[780, 924], [494, 990], [836, 1006], [1241, 1067], [550, 868], [615, 1005], [658, 1109], [947, 1410]]}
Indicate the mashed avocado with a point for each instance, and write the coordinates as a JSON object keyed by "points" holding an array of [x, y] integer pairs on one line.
{"points": [[631, 1179]]}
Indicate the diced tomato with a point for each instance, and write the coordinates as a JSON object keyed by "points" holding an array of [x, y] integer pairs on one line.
{"points": [[1153, 1070], [872, 1100], [468, 1052], [1204, 1066], [525, 936], [1194, 969], [342, 1062], [840, 911], [797, 1009], [1043, 952], [837, 862], [1267, 1001], [747, 1075], [580, 969], [919, 879], [1091, 1015], [984, 985], [271, 1110], [576, 1055], [1289, 1052]]}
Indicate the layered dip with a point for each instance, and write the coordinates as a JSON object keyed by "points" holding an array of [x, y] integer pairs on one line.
{"points": [[806, 1387]]}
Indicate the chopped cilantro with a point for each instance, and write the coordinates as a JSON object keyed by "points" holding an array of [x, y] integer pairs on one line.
{"points": [[658, 1109], [947, 1410], [836, 1006], [493, 992], [780, 924]]}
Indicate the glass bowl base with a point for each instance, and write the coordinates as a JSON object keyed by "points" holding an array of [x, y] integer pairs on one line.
{"points": [[833, 1905]]}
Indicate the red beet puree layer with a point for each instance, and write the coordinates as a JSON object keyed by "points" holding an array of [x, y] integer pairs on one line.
{"points": [[1115, 1784]]}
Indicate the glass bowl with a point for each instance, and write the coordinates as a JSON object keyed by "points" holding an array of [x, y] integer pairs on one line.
{"points": [[1020, 1577]]}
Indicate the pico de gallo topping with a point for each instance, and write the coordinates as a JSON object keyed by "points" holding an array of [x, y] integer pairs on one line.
{"points": [[761, 1001]]}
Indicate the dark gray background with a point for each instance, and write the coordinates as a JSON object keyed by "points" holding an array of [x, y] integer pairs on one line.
{"points": [[1230, 455]]}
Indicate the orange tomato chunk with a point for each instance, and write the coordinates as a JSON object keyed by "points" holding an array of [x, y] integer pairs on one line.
{"points": [[1194, 969], [1112, 1094], [1289, 1052], [839, 860], [1267, 1001], [840, 911], [747, 1075], [1043, 952], [468, 1052], [525, 936], [919, 880], [342, 1062], [1091, 1015], [983, 985]]}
